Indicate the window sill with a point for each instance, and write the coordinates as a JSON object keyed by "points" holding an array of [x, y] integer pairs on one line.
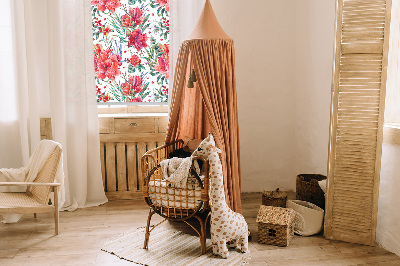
{"points": [[127, 115], [132, 110]]}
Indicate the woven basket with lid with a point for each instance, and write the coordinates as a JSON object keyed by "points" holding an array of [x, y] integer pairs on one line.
{"points": [[274, 198]]}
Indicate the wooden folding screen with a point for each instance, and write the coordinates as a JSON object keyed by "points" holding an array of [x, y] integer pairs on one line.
{"points": [[358, 96]]}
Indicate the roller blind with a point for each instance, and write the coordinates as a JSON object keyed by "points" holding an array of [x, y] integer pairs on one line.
{"points": [[358, 97]]}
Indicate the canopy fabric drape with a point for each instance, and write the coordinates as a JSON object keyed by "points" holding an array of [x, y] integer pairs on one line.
{"points": [[211, 106]]}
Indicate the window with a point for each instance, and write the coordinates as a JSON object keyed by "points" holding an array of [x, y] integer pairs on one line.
{"points": [[131, 50]]}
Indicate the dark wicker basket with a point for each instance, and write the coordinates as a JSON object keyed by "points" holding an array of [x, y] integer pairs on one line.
{"points": [[274, 198], [308, 189]]}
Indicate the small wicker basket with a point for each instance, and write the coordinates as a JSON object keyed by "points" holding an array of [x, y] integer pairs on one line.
{"points": [[308, 189], [275, 225], [274, 198]]}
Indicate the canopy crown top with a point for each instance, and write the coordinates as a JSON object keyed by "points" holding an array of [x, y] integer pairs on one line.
{"points": [[207, 26]]}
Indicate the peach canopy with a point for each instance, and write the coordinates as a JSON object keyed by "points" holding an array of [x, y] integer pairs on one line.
{"points": [[211, 105]]}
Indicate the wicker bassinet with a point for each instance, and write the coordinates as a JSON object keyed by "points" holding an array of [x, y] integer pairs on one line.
{"points": [[175, 203]]}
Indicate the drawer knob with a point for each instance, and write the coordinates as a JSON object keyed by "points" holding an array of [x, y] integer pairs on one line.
{"points": [[133, 124]]}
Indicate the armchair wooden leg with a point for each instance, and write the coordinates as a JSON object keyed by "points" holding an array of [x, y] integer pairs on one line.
{"points": [[147, 235], [56, 212], [34, 215]]}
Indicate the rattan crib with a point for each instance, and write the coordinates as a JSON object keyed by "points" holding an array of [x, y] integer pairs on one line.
{"points": [[170, 202]]}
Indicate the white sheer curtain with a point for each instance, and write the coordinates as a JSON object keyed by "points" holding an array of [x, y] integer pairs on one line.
{"points": [[55, 78], [10, 144]]}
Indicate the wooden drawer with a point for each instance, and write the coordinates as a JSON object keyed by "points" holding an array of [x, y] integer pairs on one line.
{"points": [[162, 124], [106, 125], [134, 125]]}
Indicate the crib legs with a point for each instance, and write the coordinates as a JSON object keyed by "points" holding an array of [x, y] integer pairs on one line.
{"points": [[203, 236], [203, 231], [203, 224], [147, 235]]}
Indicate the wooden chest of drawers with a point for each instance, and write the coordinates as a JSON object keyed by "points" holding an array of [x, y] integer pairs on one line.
{"points": [[123, 141]]}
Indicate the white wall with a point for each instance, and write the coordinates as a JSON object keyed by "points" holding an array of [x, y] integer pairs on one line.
{"points": [[388, 227], [284, 52], [314, 60], [264, 35]]}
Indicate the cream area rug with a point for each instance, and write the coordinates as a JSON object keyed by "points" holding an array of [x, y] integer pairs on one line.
{"points": [[168, 247]]}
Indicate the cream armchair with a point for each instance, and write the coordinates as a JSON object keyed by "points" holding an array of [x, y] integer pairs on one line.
{"points": [[36, 197]]}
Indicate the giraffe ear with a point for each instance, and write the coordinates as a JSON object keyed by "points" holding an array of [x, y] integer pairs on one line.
{"points": [[216, 149]]}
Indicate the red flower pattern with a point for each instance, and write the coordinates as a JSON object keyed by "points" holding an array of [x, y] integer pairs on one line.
{"points": [[126, 88], [137, 83], [133, 86], [162, 65], [165, 90], [106, 64], [103, 97], [105, 30], [134, 60], [136, 15], [138, 39], [164, 3], [126, 20], [103, 5], [137, 99]]}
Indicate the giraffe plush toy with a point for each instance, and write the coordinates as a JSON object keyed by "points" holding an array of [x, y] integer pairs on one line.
{"points": [[226, 225]]}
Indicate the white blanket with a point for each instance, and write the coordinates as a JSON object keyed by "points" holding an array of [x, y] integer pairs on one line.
{"points": [[176, 170], [29, 173]]}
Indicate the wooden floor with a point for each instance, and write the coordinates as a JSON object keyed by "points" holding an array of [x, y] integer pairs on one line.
{"points": [[82, 233]]}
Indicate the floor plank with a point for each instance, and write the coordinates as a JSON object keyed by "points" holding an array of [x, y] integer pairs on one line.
{"points": [[82, 233]]}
